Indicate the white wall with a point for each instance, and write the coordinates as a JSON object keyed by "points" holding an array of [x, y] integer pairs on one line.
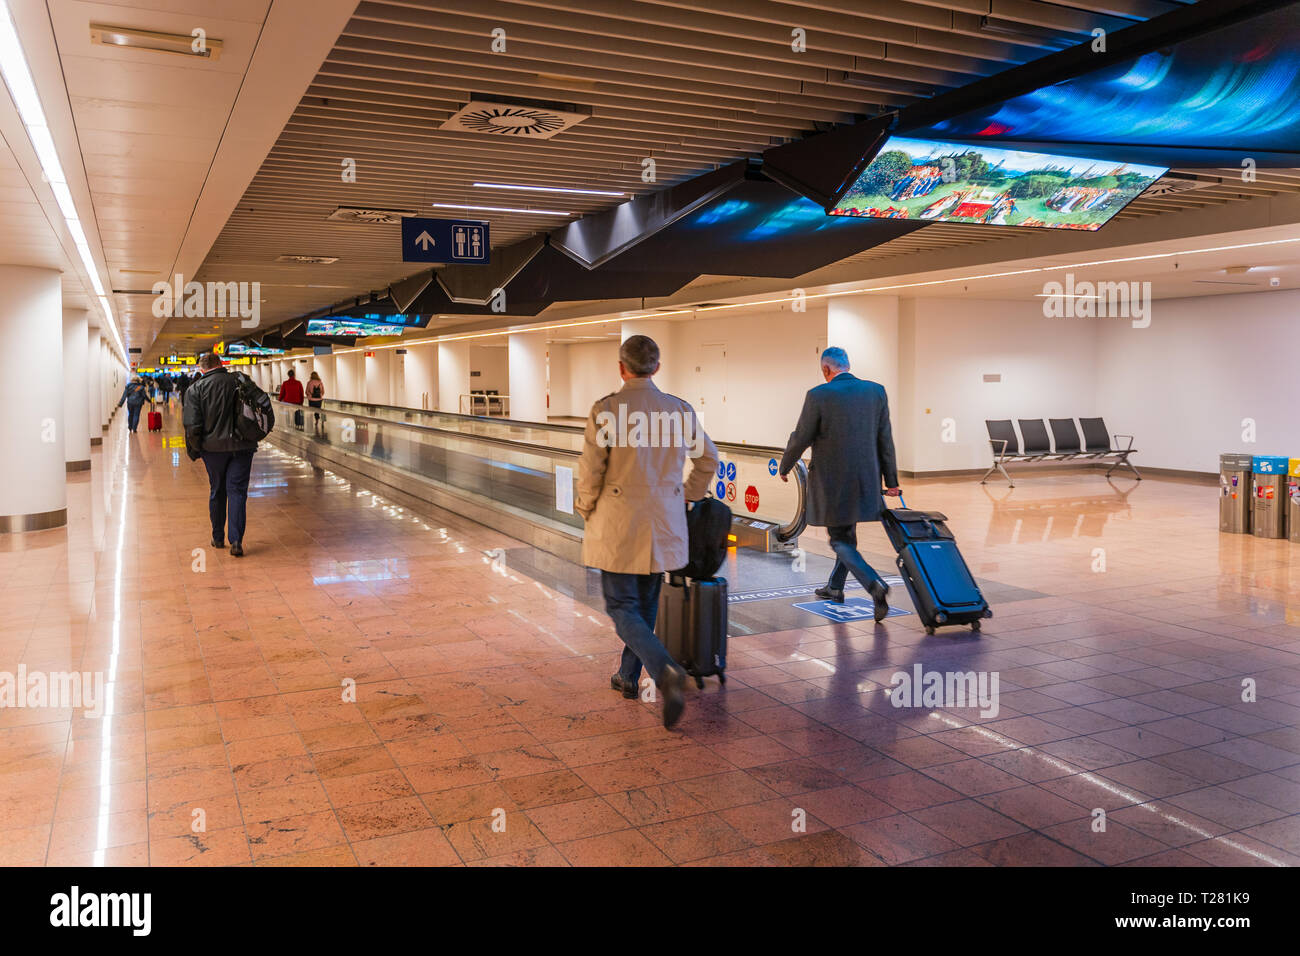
{"points": [[558, 390], [593, 373], [946, 346], [350, 372], [527, 371], [1183, 385], [493, 365]]}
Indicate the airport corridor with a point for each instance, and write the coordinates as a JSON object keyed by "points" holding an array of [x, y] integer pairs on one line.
{"points": [[374, 686]]}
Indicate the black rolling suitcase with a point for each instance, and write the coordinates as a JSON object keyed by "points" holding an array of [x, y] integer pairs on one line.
{"points": [[935, 573], [692, 624]]}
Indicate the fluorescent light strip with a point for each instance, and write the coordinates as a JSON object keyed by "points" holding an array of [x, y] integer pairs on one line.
{"points": [[13, 67], [550, 189], [531, 212]]}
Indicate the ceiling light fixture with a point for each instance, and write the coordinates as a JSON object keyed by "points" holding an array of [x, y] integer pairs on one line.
{"points": [[531, 212], [17, 77], [182, 44], [550, 189]]}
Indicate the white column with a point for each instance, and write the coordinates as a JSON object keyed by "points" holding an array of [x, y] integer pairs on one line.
{"points": [[76, 389], [95, 386], [379, 377], [453, 374], [33, 492], [527, 371], [866, 326], [559, 381], [323, 365], [420, 378], [676, 373]]}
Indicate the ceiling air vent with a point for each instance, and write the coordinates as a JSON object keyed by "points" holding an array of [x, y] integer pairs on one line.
{"points": [[309, 260], [1170, 184], [369, 216], [520, 120]]}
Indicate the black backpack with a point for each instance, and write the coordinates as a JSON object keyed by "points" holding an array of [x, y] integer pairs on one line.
{"points": [[708, 522], [254, 417]]}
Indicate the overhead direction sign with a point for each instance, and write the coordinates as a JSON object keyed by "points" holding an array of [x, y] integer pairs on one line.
{"points": [[445, 240]]}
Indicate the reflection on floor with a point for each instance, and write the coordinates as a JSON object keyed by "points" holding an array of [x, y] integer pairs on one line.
{"points": [[373, 686]]}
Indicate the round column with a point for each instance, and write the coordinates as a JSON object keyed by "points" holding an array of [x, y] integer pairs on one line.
{"points": [[95, 385], [527, 371], [76, 389], [33, 492]]}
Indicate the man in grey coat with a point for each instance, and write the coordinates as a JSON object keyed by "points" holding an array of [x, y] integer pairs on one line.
{"points": [[846, 422]]}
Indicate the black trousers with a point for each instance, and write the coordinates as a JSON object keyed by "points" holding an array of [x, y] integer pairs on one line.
{"points": [[844, 542]]}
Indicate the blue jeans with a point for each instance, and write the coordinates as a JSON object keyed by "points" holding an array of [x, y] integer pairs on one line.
{"points": [[632, 601], [133, 416], [844, 542], [228, 473]]}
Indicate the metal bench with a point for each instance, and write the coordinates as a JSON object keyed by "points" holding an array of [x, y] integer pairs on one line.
{"points": [[1063, 445]]}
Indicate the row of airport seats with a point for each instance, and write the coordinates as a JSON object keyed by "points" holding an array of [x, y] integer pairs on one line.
{"points": [[1065, 444]]}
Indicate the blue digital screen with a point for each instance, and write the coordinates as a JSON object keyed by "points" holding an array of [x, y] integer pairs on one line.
{"points": [[1235, 89]]}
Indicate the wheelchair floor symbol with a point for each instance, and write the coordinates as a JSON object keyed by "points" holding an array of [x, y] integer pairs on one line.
{"points": [[853, 609]]}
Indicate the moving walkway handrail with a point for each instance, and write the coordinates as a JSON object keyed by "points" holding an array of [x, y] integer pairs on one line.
{"points": [[796, 525], [463, 436]]}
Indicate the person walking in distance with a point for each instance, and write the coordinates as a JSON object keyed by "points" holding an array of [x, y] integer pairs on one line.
{"points": [[210, 434], [631, 494], [134, 396], [846, 423], [315, 398]]}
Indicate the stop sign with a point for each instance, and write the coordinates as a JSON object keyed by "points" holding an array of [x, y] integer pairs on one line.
{"points": [[751, 498]]}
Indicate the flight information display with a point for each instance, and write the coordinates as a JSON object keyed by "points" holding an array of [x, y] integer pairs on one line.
{"points": [[932, 181]]}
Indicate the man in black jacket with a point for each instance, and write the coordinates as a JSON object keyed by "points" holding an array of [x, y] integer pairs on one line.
{"points": [[846, 422], [210, 435]]}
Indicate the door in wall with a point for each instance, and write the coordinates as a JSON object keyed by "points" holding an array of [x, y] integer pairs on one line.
{"points": [[711, 388]]}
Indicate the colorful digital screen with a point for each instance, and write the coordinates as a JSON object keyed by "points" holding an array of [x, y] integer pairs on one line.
{"points": [[350, 328], [239, 348], [929, 181]]}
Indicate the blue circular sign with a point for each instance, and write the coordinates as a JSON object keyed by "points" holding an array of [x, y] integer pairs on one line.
{"points": [[772, 467], [722, 469], [720, 492], [731, 471]]}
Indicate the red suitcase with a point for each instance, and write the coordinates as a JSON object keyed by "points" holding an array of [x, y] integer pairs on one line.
{"points": [[155, 421]]}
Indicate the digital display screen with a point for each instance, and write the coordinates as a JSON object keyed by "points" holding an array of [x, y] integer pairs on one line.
{"points": [[928, 181], [350, 328], [239, 348], [1235, 90]]}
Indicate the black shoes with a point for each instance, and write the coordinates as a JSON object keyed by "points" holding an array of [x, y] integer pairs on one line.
{"points": [[217, 542], [828, 593], [671, 685], [630, 690], [879, 591], [237, 550]]}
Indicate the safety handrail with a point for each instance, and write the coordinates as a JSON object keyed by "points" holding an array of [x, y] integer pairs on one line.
{"points": [[796, 525]]}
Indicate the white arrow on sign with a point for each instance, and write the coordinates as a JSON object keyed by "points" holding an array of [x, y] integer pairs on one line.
{"points": [[424, 241]]}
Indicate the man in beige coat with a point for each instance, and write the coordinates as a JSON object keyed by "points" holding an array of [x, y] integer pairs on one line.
{"points": [[633, 498]]}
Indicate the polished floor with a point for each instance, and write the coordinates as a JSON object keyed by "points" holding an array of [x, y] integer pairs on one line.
{"points": [[369, 686]]}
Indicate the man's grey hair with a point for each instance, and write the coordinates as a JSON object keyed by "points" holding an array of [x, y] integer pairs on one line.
{"points": [[639, 355], [836, 358], [209, 360]]}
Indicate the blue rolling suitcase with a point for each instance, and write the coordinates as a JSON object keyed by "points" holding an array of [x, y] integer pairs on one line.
{"points": [[935, 573]]}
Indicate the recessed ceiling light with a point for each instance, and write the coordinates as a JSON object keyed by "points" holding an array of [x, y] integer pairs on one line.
{"points": [[533, 212], [550, 189], [316, 260], [182, 44]]}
